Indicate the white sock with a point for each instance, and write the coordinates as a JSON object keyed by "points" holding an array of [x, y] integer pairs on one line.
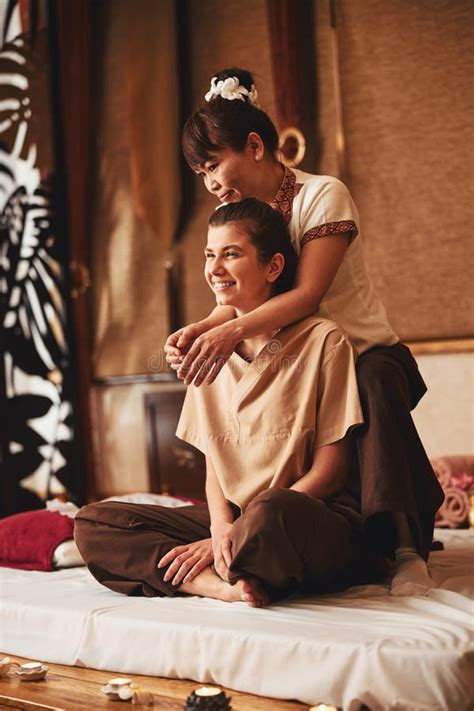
{"points": [[411, 574]]}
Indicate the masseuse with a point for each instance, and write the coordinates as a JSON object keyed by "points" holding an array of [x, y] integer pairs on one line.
{"points": [[233, 144], [275, 428]]}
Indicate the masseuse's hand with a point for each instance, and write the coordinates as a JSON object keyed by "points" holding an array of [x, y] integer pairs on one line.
{"points": [[208, 354], [179, 342], [222, 548], [185, 562]]}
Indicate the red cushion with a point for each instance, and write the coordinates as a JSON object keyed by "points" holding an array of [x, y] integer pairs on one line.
{"points": [[28, 540]]}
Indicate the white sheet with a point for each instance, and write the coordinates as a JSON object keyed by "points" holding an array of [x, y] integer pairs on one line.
{"points": [[361, 646]]}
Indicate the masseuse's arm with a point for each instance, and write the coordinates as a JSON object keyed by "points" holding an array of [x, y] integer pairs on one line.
{"points": [[328, 471], [318, 264], [221, 521], [178, 342]]}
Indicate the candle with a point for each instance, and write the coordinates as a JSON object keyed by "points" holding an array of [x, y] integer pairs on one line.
{"points": [[119, 681], [208, 698], [31, 671], [208, 691], [119, 688], [323, 707], [36, 666]]}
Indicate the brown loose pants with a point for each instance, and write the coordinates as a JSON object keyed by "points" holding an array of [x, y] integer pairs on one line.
{"points": [[288, 540], [392, 472]]}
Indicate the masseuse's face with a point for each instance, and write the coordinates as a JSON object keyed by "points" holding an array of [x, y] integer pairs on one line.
{"points": [[230, 175], [233, 270]]}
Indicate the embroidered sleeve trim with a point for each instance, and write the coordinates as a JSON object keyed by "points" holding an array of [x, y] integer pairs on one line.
{"points": [[331, 228]]}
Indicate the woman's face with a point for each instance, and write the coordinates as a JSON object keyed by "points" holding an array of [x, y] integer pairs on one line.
{"points": [[233, 270], [232, 176]]}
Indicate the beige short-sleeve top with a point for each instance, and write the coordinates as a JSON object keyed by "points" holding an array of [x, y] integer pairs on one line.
{"points": [[320, 205], [260, 422]]}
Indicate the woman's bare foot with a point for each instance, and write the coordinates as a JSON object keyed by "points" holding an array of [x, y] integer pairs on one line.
{"points": [[209, 584], [251, 591]]}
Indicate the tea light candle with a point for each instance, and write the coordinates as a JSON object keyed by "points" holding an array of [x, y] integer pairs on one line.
{"points": [[31, 671], [209, 698], [32, 666], [118, 682], [208, 691], [323, 707], [117, 686]]}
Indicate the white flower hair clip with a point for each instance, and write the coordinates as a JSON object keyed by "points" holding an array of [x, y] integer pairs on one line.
{"points": [[232, 89]]}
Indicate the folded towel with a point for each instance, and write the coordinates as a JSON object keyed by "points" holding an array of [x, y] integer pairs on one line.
{"points": [[455, 509]]}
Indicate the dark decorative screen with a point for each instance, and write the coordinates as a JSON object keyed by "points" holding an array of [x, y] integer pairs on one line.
{"points": [[37, 440]]}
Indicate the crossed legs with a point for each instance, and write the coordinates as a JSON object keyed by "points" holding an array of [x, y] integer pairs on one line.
{"points": [[284, 541]]}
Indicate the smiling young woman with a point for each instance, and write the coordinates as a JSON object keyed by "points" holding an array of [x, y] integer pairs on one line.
{"points": [[230, 265], [233, 144], [278, 518]]}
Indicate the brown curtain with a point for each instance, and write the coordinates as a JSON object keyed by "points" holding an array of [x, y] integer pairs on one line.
{"points": [[152, 83], [137, 182]]}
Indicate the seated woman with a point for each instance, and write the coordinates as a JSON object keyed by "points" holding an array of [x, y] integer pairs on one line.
{"points": [[275, 428]]}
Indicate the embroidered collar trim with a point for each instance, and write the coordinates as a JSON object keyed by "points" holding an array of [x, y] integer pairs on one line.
{"points": [[288, 190]]}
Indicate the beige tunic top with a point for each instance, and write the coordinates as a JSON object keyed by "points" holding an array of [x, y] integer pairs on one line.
{"points": [[259, 422], [320, 205]]}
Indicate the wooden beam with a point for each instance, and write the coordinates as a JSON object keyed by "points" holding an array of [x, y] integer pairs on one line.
{"points": [[442, 345]]}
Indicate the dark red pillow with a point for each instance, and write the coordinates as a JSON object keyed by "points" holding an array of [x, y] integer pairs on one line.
{"points": [[28, 540]]}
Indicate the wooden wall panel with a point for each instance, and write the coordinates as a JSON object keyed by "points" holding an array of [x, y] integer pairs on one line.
{"points": [[408, 100]]}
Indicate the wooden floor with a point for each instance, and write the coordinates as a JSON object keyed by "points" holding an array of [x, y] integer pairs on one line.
{"points": [[78, 689]]}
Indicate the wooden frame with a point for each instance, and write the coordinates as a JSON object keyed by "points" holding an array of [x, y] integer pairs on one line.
{"points": [[174, 467], [444, 345]]}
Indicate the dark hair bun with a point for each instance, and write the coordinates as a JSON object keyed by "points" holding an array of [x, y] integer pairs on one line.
{"points": [[244, 76], [220, 123]]}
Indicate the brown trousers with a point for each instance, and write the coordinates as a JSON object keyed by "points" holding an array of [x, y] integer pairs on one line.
{"points": [[392, 472], [288, 540]]}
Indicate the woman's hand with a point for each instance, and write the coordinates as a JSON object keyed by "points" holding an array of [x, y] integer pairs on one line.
{"points": [[222, 548], [186, 562], [179, 342], [208, 354]]}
